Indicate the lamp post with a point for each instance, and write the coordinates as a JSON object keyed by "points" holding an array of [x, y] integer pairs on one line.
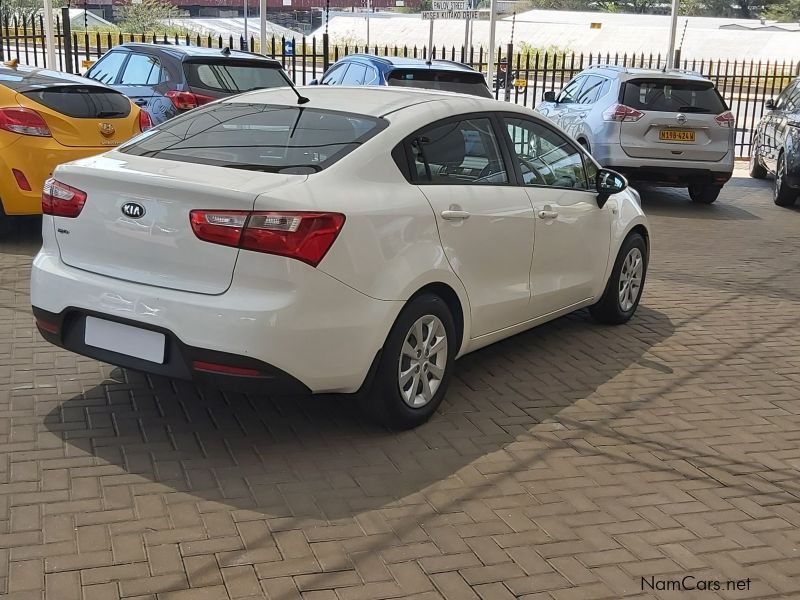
{"points": [[263, 18], [673, 28], [50, 41], [492, 25]]}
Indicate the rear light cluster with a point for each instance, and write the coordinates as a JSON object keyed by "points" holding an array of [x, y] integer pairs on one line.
{"points": [[305, 236], [62, 200], [620, 113], [24, 121], [188, 100], [145, 122], [725, 119]]}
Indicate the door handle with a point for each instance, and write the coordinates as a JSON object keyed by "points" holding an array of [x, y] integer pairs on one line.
{"points": [[454, 215], [140, 102], [548, 213]]}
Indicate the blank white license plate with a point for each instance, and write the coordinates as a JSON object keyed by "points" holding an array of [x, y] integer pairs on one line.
{"points": [[132, 341]]}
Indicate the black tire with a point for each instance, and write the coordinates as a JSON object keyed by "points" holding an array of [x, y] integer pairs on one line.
{"points": [[705, 193], [609, 309], [782, 194], [757, 170], [383, 402]]}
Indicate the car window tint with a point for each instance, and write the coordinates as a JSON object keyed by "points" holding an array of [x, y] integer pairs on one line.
{"points": [[105, 70], [458, 153], [545, 157], [334, 76], [793, 99], [355, 74], [83, 102], [258, 137], [372, 77], [462, 82], [569, 94], [141, 70], [780, 103], [233, 77], [590, 91], [668, 95]]}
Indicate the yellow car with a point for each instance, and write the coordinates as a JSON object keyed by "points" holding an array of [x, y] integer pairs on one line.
{"points": [[48, 118]]}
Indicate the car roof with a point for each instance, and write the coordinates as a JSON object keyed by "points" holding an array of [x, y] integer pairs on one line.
{"points": [[633, 73], [23, 78], [375, 101], [403, 62], [182, 52]]}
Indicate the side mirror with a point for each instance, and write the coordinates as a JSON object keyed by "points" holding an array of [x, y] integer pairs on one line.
{"points": [[608, 183], [769, 104], [549, 96], [313, 82]]}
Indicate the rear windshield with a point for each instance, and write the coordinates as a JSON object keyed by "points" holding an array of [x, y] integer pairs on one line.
{"points": [[233, 77], [83, 102], [258, 137], [665, 95], [446, 81]]}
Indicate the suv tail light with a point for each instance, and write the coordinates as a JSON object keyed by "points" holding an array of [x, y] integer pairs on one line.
{"points": [[726, 119], [306, 236], [187, 100], [620, 113], [145, 122], [24, 121], [62, 200]]}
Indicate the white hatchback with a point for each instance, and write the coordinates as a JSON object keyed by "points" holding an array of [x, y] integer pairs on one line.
{"points": [[358, 242]]}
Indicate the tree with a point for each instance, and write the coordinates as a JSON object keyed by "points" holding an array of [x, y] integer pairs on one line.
{"points": [[147, 16], [25, 9], [785, 12]]}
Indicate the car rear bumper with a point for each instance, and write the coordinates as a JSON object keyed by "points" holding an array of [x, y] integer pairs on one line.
{"points": [[313, 334], [672, 175], [35, 158]]}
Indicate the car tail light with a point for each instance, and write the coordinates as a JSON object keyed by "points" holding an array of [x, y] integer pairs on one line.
{"points": [[145, 122], [188, 100], [62, 200], [210, 367], [620, 113], [305, 236], [24, 121], [22, 181], [726, 119], [47, 325]]}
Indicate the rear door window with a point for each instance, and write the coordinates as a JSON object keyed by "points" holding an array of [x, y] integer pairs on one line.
{"points": [[142, 69], [258, 137], [107, 68], [233, 77], [83, 102], [355, 74], [667, 95], [463, 82]]}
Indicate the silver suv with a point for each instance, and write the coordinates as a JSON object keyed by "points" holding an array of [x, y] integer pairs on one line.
{"points": [[668, 127]]}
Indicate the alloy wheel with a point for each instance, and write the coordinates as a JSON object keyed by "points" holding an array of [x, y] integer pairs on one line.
{"points": [[423, 359], [630, 279]]}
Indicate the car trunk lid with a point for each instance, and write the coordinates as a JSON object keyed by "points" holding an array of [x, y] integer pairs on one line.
{"points": [[677, 122], [83, 115], [151, 240]]}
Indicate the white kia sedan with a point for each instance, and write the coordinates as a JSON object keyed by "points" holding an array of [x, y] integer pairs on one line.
{"points": [[358, 242]]}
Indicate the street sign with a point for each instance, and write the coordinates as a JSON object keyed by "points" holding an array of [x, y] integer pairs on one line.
{"points": [[288, 47], [448, 5], [433, 15]]}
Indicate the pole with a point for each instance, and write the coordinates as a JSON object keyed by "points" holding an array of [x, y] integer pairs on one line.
{"points": [[246, 41], [430, 44], [673, 28], [2, 22], [263, 18], [66, 32], [466, 30], [492, 24], [48, 32], [369, 10]]}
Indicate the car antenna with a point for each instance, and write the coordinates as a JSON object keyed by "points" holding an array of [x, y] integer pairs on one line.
{"points": [[300, 98], [226, 51]]}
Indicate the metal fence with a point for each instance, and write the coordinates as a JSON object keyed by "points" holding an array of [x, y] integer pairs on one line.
{"points": [[745, 85]]}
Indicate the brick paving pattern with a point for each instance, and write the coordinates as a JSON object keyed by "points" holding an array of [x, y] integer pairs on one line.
{"points": [[567, 462]]}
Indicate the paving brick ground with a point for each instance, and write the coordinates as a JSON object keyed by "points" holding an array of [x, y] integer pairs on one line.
{"points": [[567, 463]]}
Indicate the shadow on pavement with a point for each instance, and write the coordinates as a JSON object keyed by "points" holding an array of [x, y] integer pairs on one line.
{"points": [[675, 203], [315, 458]]}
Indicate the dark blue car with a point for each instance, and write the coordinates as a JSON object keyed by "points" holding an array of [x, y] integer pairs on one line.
{"points": [[444, 75], [166, 79]]}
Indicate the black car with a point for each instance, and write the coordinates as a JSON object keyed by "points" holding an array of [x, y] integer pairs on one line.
{"points": [[776, 145], [166, 79]]}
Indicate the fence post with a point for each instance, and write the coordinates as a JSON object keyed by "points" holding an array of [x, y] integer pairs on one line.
{"points": [[66, 32], [509, 68], [2, 40], [677, 61], [325, 60]]}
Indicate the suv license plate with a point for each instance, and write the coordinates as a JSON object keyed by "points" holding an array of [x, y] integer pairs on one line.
{"points": [[676, 135]]}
